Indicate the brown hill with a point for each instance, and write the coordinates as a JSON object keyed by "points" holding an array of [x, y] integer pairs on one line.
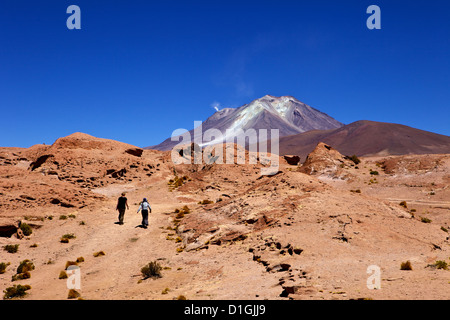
{"points": [[368, 138]]}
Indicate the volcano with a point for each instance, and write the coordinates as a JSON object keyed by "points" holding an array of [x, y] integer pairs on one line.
{"points": [[287, 114]]}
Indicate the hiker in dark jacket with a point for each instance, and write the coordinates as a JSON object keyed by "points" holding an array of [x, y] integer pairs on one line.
{"points": [[145, 209], [122, 205]]}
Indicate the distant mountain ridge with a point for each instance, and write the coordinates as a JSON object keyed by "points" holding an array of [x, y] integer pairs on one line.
{"points": [[302, 127], [368, 138], [287, 114]]}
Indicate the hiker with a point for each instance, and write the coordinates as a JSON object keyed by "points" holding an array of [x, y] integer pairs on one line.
{"points": [[145, 209], [122, 205]]}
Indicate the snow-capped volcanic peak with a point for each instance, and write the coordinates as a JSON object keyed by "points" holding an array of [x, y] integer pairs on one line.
{"points": [[287, 114]]}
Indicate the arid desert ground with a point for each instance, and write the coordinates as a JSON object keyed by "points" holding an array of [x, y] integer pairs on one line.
{"points": [[308, 232]]}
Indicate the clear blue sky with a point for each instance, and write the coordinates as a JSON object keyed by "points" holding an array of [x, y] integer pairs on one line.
{"points": [[137, 70]]}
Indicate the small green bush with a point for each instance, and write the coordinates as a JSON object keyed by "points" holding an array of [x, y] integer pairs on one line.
{"points": [[441, 265], [65, 238], [21, 276], [425, 220], [355, 159], [3, 267], [25, 266], [23, 270], [26, 229], [16, 291], [11, 248]]}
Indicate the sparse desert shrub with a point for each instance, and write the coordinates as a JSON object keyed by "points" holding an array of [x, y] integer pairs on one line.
{"points": [[425, 220], [21, 276], [404, 204], [11, 248], [444, 229], [355, 159], [26, 229], [206, 201], [82, 223], [71, 263], [99, 254], [374, 173], [34, 245], [16, 291], [406, 265], [24, 266], [73, 294], [3, 267], [181, 297], [185, 210], [65, 238], [441, 265], [176, 182], [72, 216], [356, 191], [151, 270], [179, 215], [62, 275], [23, 270], [165, 291], [80, 259], [62, 217]]}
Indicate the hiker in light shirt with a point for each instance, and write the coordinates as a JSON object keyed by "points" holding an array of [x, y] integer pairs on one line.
{"points": [[145, 210]]}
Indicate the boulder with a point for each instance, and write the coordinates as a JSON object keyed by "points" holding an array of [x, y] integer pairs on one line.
{"points": [[137, 152], [292, 160], [327, 161], [40, 161], [8, 227]]}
